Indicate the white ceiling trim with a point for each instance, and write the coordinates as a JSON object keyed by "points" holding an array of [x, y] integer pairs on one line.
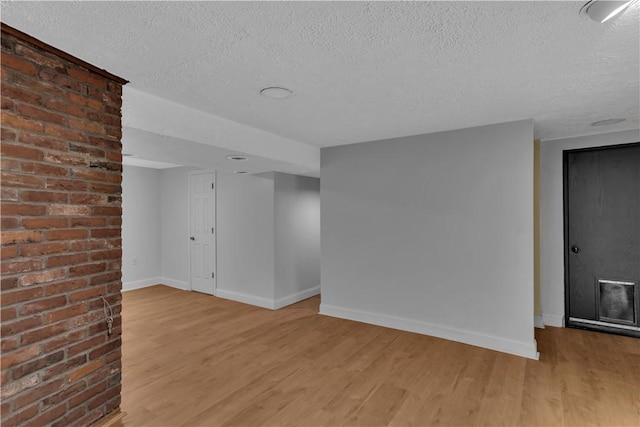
{"points": [[153, 114]]}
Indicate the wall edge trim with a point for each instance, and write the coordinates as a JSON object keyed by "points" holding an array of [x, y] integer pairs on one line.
{"points": [[246, 298], [142, 283], [296, 297], [553, 320], [527, 350]]}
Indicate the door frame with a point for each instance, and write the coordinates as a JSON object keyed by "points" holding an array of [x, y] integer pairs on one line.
{"points": [[215, 224], [565, 222]]}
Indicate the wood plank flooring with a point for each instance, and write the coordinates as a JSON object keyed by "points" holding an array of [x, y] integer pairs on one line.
{"points": [[195, 360]]}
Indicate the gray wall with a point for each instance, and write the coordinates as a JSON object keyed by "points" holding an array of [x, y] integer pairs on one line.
{"points": [[434, 233], [552, 214], [297, 234], [245, 239], [140, 226]]}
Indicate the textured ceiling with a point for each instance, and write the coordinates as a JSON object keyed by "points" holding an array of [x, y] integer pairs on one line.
{"points": [[361, 71]]}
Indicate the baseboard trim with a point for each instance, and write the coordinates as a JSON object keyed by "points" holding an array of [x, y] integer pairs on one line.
{"points": [[528, 350], [139, 284], [538, 322], [178, 284], [553, 320], [297, 297], [245, 298]]}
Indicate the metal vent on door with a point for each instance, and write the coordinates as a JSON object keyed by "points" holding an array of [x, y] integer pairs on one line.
{"points": [[617, 301]]}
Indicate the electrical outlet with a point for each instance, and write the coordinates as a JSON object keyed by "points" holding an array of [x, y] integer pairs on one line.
{"points": [[134, 261]]}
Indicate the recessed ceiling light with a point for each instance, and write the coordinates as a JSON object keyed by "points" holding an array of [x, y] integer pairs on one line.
{"points": [[276, 92], [240, 172], [607, 122], [127, 155], [237, 157], [601, 11]]}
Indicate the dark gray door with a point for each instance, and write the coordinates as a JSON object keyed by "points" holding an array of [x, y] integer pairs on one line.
{"points": [[602, 238]]}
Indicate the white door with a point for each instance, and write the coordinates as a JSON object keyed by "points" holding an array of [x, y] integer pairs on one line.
{"points": [[202, 215]]}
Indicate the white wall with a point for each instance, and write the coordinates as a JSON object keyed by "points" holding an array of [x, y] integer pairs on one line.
{"points": [[297, 237], [434, 234], [552, 217], [174, 208], [245, 237], [140, 226]]}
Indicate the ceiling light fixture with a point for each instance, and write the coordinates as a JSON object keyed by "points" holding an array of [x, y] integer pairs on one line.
{"points": [[240, 172], [603, 10], [607, 122], [237, 157], [275, 92], [127, 155]]}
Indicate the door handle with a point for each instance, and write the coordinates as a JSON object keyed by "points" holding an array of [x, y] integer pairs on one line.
{"points": [[575, 249], [192, 238]]}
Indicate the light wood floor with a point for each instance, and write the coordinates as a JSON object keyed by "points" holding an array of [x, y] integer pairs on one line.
{"points": [[196, 360]]}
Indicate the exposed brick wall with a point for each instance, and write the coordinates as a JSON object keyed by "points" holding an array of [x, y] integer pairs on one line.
{"points": [[61, 244]]}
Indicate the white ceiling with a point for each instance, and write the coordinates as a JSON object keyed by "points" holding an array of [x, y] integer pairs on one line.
{"points": [[361, 71]]}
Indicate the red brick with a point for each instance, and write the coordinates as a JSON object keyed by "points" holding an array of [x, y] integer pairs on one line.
{"points": [[39, 58], [64, 133], [43, 305], [11, 179], [9, 164], [8, 223], [86, 345], [66, 158], [68, 210], [65, 107], [43, 141], [88, 198], [19, 356], [22, 236], [21, 94], [8, 313], [88, 174], [68, 285], [8, 252], [65, 313], [80, 245], [21, 151], [107, 143], [14, 296], [43, 333], [35, 223], [49, 416], [87, 150], [8, 344], [91, 318], [44, 196], [18, 64], [40, 114], [7, 135], [38, 85], [111, 254], [9, 194], [22, 265], [85, 370], [6, 104], [65, 184], [44, 169], [107, 210], [19, 417], [87, 269], [114, 87], [88, 394], [42, 277], [86, 294], [85, 102], [15, 121], [88, 77], [88, 222], [7, 283], [43, 248], [70, 233], [105, 232], [65, 340], [72, 259], [33, 366], [99, 187], [22, 209], [104, 349], [85, 125], [70, 417]]}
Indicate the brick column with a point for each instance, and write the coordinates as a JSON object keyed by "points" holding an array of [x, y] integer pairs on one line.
{"points": [[61, 244]]}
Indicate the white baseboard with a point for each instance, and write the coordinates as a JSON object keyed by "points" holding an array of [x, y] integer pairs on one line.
{"points": [[245, 298], [553, 320], [538, 322], [528, 350], [139, 284], [178, 284], [297, 297]]}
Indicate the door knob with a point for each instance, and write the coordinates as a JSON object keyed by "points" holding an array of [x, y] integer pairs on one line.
{"points": [[575, 249], [192, 238]]}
